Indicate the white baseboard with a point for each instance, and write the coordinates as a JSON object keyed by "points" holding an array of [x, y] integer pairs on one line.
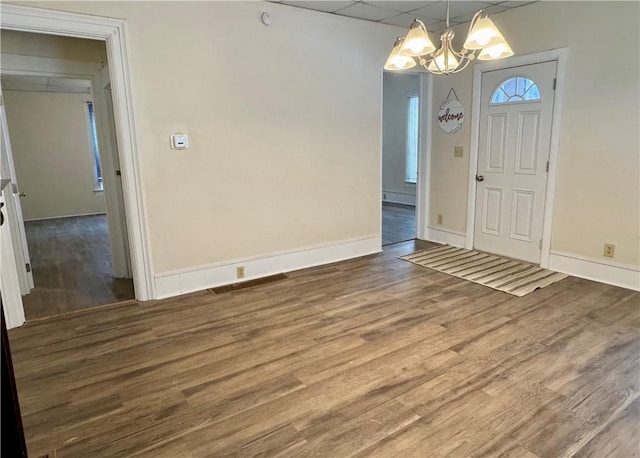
{"points": [[210, 276], [398, 198], [65, 216], [446, 236], [593, 269]]}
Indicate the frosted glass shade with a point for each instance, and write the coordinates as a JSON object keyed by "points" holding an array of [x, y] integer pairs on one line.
{"points": [[417, 43], [397, 61], [445, 66], [483, 34], [499, 51]]}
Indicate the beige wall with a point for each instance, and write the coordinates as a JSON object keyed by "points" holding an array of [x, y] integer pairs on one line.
{"points": [[597, 198], [397, 87], [52, 154], [35, 44], [284, 124]]}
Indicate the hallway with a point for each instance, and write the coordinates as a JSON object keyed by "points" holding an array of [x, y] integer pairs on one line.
{"points": [[71, 264], [398, 223]]}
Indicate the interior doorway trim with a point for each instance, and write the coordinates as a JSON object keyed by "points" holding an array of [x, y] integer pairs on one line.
{"points": [[423, 187], [113, 32], [560, 56]]}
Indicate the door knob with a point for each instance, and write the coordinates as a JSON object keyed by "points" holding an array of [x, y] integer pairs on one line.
{"points": [[479, 178]]}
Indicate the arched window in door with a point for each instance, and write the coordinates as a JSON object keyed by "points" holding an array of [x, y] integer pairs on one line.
{"points": [[514, 90]]}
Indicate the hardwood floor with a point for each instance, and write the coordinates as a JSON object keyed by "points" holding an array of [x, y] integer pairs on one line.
{"points": [[71, 263], [370, 357], [398, 223]]}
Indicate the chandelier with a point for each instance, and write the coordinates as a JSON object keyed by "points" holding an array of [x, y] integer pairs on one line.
{"points": [[483, 39]]}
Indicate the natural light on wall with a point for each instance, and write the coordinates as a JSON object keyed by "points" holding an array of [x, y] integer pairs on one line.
{"points": [[484, 38]]}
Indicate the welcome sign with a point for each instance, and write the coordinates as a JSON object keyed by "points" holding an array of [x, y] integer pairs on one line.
{"points": [[451, 116]]}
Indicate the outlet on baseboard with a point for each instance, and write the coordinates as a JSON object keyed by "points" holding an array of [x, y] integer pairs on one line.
{"points": [[240, 272], [439, 219], [609, 250], [384, 196]]}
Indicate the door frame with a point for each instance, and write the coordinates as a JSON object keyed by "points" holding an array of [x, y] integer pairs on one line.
{"points": [[63, 68], [114, 33], [560, 56], [423, 186]]}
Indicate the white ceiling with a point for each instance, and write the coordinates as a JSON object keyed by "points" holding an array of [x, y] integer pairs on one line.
{"points": [[45, 84], [402, 12]]}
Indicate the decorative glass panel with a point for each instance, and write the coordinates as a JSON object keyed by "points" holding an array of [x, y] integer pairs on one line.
{"points": [[516, 89]]}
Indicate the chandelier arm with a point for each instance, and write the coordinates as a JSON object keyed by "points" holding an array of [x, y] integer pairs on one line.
{"points": [[462, 66], [422, 24], [440, 71], [474, 20]]}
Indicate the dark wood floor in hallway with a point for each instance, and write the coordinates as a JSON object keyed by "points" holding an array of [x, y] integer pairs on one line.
{"points": [[71, 263], [398, 223], [369, 357]]}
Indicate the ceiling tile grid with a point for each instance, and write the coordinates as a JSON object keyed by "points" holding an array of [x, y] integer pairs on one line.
{"points": [[402, 12]]}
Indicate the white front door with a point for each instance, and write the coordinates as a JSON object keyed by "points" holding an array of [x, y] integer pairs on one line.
{"points": [[513, 150]]}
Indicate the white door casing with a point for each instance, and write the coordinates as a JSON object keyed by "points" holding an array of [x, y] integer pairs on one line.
{"points": [[513, 152], [117, 230]]}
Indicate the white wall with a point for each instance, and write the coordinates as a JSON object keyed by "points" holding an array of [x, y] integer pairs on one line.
{"points": [[397, 87], [284, 124], [52, 154], [598, 195]]}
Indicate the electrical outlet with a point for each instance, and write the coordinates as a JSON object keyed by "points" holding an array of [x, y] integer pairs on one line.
{"points": [[609, 250], [458, 151], [439, 219], [240, 272], [384, 196]]}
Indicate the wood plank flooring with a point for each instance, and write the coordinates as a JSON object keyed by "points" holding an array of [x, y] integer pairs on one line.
{"points": [[398, 223], [368, 357], [71, 262]]}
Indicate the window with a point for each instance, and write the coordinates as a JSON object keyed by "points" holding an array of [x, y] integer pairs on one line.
{"points": [[93, 138], [517, 89], [411, 158]]}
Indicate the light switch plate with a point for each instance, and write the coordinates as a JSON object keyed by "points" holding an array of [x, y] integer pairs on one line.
{"points": [[458, 151], [179, 141]]}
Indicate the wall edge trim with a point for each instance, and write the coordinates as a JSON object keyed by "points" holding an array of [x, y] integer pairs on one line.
{"points": [[199, 278], [623, 277]]}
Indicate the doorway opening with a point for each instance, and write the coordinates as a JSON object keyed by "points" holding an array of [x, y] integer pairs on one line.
{"points": [[401, 109], [66, 171]]}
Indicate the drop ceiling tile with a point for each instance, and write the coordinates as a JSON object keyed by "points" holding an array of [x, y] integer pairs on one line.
{"points": [[463, 10], [516, 3], [493, 9], [368, 12], [327, 6], [402, 20], [400, 6], [439, 27]]}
